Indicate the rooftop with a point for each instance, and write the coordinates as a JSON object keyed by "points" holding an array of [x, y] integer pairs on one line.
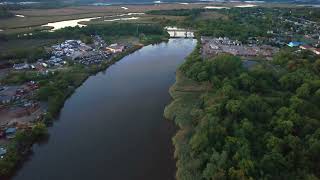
{"points": [[295, 43], [11, 130], [3, 151]]}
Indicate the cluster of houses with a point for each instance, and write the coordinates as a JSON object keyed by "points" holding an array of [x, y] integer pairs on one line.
{"points": [[287, 27], [212, 46], [300, 25], [292, 27], [304, 46]]}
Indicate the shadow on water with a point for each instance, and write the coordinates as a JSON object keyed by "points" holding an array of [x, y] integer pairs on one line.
{"points": [[112, 127]]}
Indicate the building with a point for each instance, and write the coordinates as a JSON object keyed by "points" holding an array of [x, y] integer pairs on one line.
{"points": [[21, 66], [316, 51], [3, 151], [295, 44], [115, 48], [310, 48], [10, 132]]}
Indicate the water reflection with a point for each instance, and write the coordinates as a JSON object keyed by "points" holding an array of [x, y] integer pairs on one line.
{"points": [[68, 23], [122, 19]]}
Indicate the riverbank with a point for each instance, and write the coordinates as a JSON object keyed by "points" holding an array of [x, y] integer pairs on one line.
{"points": [[186, 96], [114, 112], [19, 148]]}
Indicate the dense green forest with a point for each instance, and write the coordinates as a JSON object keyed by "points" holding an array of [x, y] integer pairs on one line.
{"points": [[257, 123]]}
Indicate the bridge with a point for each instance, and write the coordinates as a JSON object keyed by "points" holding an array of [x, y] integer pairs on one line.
{"points": [[180, 33]]}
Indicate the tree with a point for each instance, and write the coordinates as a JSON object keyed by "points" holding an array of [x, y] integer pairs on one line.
{"points": [[303, 91], [226, 65], [215, 168], [234, 107], [39, 130]]}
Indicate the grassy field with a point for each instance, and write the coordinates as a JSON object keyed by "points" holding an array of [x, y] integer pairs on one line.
{"points": [[22, 43], [37, 17], [34, 18]]}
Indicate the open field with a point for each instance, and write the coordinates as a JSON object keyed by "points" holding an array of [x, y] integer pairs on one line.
{"points": [[39, 17], [22, 43], [34, 18]]}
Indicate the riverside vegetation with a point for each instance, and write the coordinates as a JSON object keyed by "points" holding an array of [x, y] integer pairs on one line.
{"points": [[242, 123], [238, 123]]}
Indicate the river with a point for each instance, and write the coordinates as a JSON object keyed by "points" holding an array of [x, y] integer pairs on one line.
{"points": [[112, 127]]}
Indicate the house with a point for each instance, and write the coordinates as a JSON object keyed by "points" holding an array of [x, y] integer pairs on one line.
{"points": [[295, 44], [10, 132], [115, 48], [21, 66], [3, 151]]}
